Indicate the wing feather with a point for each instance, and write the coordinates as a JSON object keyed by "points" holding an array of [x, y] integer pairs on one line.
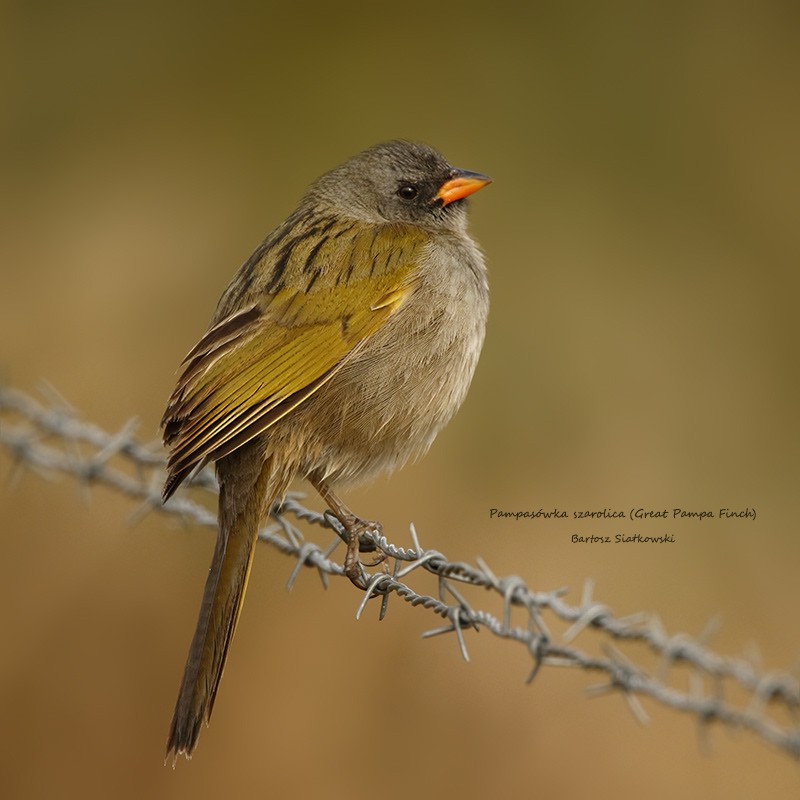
{"points": [[257, 364]]}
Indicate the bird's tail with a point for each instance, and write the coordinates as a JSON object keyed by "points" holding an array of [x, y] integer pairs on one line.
{"points": [[248, 489]]}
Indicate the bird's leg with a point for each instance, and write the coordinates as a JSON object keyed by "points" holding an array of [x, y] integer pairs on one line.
{"points": [[354, 528]]}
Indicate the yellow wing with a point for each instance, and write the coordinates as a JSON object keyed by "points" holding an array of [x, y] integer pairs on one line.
{"points": [[257, 364]]}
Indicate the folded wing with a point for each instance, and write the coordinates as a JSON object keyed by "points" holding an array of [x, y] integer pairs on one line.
{"points": [[257, 364]]}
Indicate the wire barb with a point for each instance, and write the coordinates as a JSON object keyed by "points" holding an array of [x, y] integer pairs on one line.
{"points": [[49, 439]]}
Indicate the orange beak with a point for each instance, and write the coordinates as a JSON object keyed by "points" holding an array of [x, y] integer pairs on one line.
{"points": [[461, 184]]}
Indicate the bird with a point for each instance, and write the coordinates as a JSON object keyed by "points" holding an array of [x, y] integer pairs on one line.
{"points": [[338, 351]]}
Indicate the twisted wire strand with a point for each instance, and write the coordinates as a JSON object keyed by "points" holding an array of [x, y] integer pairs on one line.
{"points": [[50, 438]]}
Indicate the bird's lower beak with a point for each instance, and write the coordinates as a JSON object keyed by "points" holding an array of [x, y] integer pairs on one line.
{"points": [[461, 184]]}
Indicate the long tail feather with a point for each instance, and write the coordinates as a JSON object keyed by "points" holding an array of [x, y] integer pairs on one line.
{"points": [[242, 503]]}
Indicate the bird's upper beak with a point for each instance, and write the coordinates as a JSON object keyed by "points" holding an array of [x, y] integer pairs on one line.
{"points": [[460, 184]]}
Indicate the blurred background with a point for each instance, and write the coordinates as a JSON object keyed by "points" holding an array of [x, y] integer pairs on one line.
{"points": [[643, 241]]}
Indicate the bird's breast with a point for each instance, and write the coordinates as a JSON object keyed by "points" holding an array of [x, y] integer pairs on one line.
{"points": [[402, 385]]}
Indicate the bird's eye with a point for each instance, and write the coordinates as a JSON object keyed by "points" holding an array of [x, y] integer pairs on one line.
{"points": [[407, 191]]}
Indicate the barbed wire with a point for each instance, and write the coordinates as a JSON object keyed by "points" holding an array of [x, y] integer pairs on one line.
{"points": [[50, 439]]}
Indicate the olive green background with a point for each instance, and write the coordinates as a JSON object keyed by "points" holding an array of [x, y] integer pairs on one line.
{"points": [[643, 241]]}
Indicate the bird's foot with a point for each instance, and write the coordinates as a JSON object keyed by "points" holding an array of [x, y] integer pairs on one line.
{"points": [[359, 541]]}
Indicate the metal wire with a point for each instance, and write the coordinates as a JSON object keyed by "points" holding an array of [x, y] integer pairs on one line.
{"points": [[50, 438]]}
